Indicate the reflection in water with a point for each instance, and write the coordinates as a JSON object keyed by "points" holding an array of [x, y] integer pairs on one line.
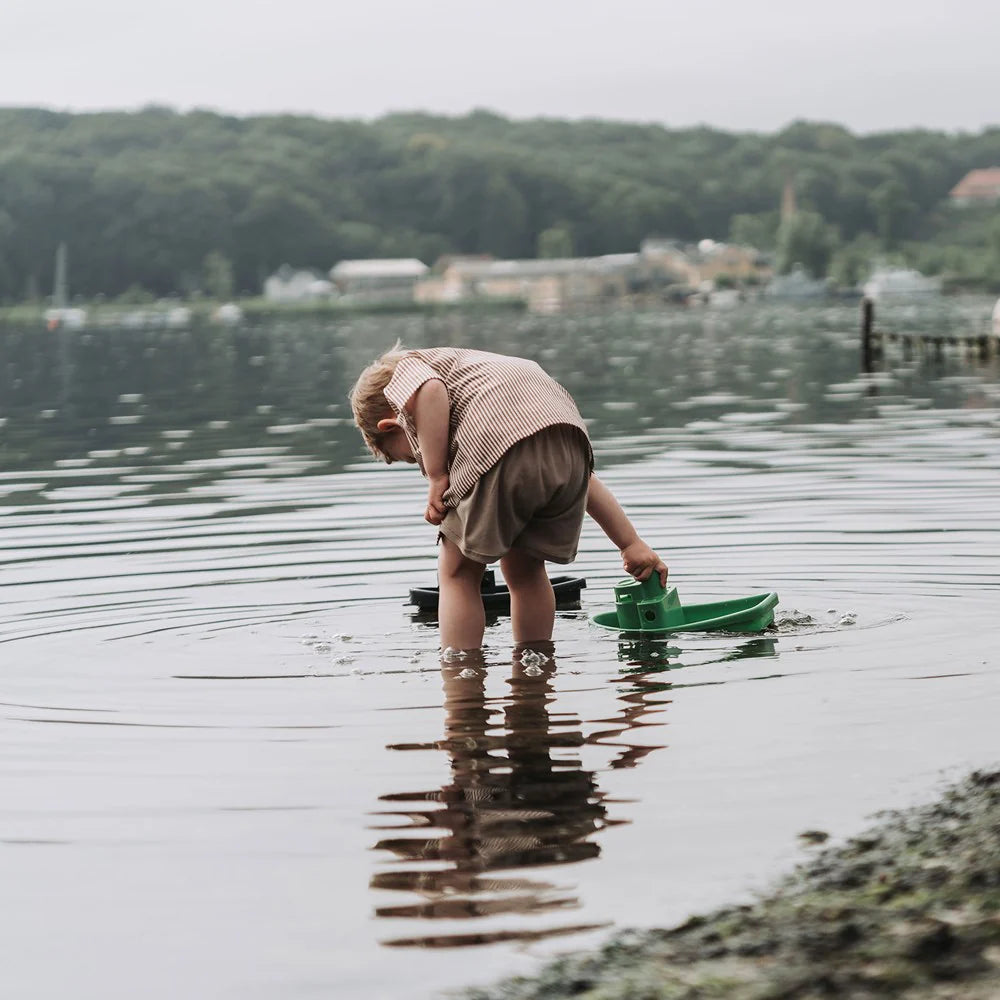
{"points": [[654, 655], [519, 797], [648, 661]]}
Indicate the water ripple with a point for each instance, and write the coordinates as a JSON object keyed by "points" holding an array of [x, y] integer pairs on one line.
{"points": [[208, 659]]}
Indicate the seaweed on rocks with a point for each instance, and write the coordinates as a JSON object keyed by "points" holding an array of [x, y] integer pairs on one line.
{"points": [[910, 909]]}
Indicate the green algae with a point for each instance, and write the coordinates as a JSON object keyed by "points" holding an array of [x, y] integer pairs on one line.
{"points": [[910, 909]]}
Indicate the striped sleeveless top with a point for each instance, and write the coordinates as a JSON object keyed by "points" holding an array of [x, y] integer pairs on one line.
{"points": [[495, 402]]}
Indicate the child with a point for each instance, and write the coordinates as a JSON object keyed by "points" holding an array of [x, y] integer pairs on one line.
{"points": [[510, 472]]}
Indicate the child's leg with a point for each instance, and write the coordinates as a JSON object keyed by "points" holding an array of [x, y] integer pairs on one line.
{"points": [[532, 600], [460, 603]]}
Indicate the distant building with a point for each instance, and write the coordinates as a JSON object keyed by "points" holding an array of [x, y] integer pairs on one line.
{"points": [[66, 317], [287, 285], [445, 261], [693, 265], [669, 262], [552, 284], [739, 262], [978, 187], [378, 280], [545, 285]]}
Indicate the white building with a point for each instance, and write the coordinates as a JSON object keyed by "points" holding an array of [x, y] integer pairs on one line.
{"points": [[68, 317], [389, 280], [287, 285]]}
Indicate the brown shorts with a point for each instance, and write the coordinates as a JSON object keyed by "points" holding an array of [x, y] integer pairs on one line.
{"points": [[533, 500]]}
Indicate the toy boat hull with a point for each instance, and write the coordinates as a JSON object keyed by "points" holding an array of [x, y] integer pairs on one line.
{"points": [[742, 614], [496, 596]]}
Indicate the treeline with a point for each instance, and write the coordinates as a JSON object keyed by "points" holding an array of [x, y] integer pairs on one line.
{"points": [[177, 203]]}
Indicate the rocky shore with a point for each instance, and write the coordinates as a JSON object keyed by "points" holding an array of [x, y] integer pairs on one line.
{"points": [[910, 909]]}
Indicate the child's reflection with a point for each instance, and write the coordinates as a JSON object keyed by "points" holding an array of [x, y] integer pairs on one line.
{"points": [[518, 798]]}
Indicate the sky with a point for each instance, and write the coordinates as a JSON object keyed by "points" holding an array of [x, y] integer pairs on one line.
{"points": [[871, 65]]}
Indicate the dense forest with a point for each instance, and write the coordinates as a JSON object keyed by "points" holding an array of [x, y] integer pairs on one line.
{"points": [[172, 203]]}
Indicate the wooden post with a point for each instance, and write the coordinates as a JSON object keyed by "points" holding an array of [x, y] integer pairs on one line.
{"points": [[867, 339]]}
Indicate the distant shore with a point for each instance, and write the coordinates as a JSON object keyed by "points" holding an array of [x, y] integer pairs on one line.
{"points": [[157, 313], [910, 909]]}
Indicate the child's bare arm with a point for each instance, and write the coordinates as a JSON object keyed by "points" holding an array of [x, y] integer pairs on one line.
{"points": [[431, 410], [638, 558]]}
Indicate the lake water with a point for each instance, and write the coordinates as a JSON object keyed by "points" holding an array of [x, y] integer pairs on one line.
{"points": [[231, 763]]}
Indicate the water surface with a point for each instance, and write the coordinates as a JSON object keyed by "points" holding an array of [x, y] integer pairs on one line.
{"points": [[232, 763]]}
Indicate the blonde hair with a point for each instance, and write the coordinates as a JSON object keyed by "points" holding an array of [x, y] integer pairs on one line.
{"points": [[368, 398]]}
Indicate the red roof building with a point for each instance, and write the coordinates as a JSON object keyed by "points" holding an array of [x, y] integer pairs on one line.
{"points": [[977, 187]]}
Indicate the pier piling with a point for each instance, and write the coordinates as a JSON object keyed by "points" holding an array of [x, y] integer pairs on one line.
{"points": [[973, 345], [867, 334]]}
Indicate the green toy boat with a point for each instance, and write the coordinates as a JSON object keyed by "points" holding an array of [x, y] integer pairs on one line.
{"points": [[647, 607]]}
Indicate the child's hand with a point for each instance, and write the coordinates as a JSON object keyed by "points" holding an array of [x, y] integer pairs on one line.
{"points": [[642, 562], [436, 509]]}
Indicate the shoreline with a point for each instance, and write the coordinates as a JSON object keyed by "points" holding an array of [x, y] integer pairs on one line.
{"points": [[910, 908], [157, 314]]}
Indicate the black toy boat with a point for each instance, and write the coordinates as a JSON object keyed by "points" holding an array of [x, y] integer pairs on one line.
{"points": [[496, 596]]}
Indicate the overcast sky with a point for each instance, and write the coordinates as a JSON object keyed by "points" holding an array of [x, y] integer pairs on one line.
{"points": [[869, 64]]}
